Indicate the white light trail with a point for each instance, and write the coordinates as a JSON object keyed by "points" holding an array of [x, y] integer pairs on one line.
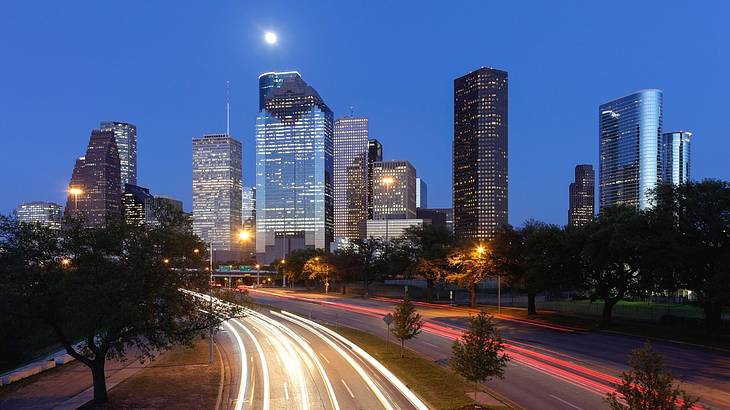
{"points": [[264, 365], [244, 368]]}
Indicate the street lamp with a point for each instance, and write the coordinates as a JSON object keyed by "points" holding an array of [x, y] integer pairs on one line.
{"points": [[165, 261], [387, 182], [75, 191], [258, 273], [480, 250], [283, 273], [65, 261]]}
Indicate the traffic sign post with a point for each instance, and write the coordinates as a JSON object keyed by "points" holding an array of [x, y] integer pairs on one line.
{"points": [[388, 319]]}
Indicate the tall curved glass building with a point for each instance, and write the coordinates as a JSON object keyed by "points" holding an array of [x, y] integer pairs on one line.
{"points": [[630, 135], [675, 157]]}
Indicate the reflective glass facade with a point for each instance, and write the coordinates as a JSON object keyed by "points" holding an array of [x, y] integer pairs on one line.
{"points": [[582, 196], [125, 135], [480, 153], [294, 171], [351, 172], [45, 213], [421, 193], [375, 154], [630, 132], [394, 190], [676, 157], [137, 204], [271, 81], [217, 186]]}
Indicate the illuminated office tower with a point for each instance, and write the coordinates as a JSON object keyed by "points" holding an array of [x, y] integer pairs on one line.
{"points": [[582, 196], [421, 193], [268, 82], [394, 190], [45, 213], [95, 190], [217, 185], [375, 154], [125, 135], [294, 171], [351, 176], [675, 157], [248, 208], [630, 133], [137, 204], [480, 153]]}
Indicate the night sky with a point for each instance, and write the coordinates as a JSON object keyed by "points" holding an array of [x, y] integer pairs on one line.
{"points": [[163, 65]]}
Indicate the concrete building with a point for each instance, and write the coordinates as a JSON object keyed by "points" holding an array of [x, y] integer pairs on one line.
{"points": [[351, 177], [582, 196], [125, 135], [389, 229], [394, 190], [438, 216], [45, 213]]}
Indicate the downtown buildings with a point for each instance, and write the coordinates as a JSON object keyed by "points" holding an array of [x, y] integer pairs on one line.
{"points": [[581, 196], [351, 177], [217, 185], [394, 199], [45, 213], [480, 153], [125, 135], [294, 168], [676, 157]]}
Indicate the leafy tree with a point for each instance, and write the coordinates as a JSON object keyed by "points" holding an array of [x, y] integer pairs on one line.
{"points": [[295, 261], [647, 386], [429, 245], [363, 259], [472, 264], [105, 290], [691, 224], [479, 354], [319, 269], [612, 256], [407, 322]]}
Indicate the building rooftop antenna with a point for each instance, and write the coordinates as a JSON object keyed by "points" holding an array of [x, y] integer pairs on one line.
{"points": [[228, 109], [352, 111]]}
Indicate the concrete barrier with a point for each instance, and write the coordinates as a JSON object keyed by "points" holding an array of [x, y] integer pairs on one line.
{"points": [[63, 359]]}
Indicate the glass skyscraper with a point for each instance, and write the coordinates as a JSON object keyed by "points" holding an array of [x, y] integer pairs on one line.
{"points": [[351, 173], [294, 170], [42, 212], [269, 82], [421, 193], [480, 153], [630, 132], [125, 135], [217, 185], [375, 154], [676, 157]]}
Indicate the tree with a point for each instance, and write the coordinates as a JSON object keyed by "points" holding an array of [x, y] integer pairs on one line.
{"points": [[429, 246], [612, 256], [295, 261], [364, 259], [318, 268], [479, 354], [647, 386], [691, 223], [472, 264], [105, 290], [407, 322]]}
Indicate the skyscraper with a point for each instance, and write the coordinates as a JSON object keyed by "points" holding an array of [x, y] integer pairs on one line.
{"points": [[582, 197], [217, 185], [268, 82], [421, 193], [676, 157], [248, 208], [375, 154], [630, 132], [137, 204], [294, 171], [42, 212], [480, 153], [394, 190], [95, 191], [125, 135], [351, 176]]}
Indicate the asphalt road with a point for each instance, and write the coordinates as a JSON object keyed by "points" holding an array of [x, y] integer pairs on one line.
{"points": [[286, 362], [551, 367]]}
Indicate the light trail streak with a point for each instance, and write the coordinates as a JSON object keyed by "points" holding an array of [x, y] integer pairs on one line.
{"points": [[264, 365], [244, 368], [405, 391]]}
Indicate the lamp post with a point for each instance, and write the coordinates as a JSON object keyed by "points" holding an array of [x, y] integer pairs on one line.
{"points": [[283, 273], [75, 191], [387, 182], [480, 250]]}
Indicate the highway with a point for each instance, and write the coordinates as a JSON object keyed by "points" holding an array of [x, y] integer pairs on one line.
{"points": [[283, 361], [552, 367]]}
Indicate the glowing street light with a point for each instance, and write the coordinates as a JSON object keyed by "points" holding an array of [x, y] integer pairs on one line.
{"points": [[244, 235], [387, 182], [76, 191], [65, 261], [165, 261], [196, 250]]}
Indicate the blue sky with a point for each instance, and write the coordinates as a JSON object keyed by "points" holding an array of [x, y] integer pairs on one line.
{"points": [[163, 65]]}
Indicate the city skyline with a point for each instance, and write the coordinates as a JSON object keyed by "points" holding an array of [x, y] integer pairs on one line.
{"points": [[166, 120]]}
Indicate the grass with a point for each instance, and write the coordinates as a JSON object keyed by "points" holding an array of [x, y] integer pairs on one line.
{"points": [[181, 379], [437, 385]]}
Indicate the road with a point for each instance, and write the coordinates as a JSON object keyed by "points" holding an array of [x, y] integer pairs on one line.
{"points": [[552, 367], [287, 362]]}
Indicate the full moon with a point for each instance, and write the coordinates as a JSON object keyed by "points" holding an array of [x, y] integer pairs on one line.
{"points": [[270, 37]]}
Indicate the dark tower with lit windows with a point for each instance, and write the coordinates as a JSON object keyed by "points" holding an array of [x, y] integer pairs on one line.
{"points": [[480, 153]]}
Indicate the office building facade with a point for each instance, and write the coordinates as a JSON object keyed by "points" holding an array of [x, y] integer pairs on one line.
{"points": [[421, 193], [217, 185], [676, 157], [630, 132], [582, 196], [137, 203], [45, 213], [125, 135], [95, 191], [268, 82], [480, 174], [294, 171], [394, 190], [375, 154], [351, 177], [438, 217], [389, 229]]}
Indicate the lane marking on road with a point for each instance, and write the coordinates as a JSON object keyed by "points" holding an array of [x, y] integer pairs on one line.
{"points": [[325, 359], [429, 344], [565, 402], [286, 391], [348, 388]]}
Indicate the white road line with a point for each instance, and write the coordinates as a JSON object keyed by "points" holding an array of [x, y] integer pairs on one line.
{"points": [[348, 388], [429, 344], [565, 402], [325, 359], [286, 391]]}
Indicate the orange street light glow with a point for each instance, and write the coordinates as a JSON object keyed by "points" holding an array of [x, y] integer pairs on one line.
{"points": [[244, 235]]}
